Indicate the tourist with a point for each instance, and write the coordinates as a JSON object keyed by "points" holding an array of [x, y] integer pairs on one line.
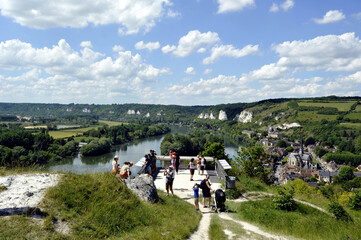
{"points": [[206, 191], [203, 164], [169, 178], [153, 158], [192, 167], [196, 196], [125, 170], [199, 161], [177, 162], [115, 165], [172, 160], [147, 164]]}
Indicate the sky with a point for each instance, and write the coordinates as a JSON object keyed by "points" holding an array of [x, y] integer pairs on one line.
{"points": [[184, 52]]}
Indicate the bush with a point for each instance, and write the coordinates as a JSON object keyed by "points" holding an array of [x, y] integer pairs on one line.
{"points": [[339, 212], [284, 200], [232, 193], [355, 201]]}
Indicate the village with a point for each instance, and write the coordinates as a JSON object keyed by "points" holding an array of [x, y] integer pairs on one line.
{"points": [[297, 161]]}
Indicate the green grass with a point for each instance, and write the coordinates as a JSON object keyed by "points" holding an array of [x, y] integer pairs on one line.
{"points": [[353, 115], [358, 108], [69, 132], [216, 229], [352, 125], [341, 106], [5, 171], [110, 123], [245, 184], [306, 222], [100, 206], [313, 116]]}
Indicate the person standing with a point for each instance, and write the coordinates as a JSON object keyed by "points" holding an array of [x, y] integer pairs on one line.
{"points": [[147, 164], [177, 162], [115, 165], [169, 178], [196, 196], [206, 191], [192, 167], [199, 161], [203, 164]]}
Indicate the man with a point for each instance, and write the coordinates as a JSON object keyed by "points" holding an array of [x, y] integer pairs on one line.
{"points": [[147, 164], [206, 191], [169, 178], [203, 164], [125, 170]]}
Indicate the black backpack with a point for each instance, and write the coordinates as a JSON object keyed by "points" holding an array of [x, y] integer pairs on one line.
{"points": [[203, 184]]}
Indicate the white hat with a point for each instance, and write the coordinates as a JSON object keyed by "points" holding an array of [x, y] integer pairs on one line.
{"points": [[116, 157]]}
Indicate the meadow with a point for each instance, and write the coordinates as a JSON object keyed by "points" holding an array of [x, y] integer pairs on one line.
{"points": [[341, 106]]}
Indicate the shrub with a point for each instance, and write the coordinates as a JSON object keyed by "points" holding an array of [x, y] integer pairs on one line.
{"points": [[284, 200], [339, 212], [355, 201]]}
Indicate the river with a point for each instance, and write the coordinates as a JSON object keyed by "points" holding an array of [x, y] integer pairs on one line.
{"points": [[132, 151]]}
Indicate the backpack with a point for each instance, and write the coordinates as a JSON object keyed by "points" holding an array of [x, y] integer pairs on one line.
{"points": [[203, 184], [205, 161]]}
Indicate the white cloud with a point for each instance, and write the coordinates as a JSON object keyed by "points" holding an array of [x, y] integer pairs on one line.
{"points": [[357, 16], [274, 8], [118, 48], [287, 5], [86, 44], [149, 46], [194, 40], [229, 51], [331, 17], [173, 14], [133, 15], [190, 70], [207, 71], [168, 48], [225, 6], [330, 53], [201, 50], [62, 74]]}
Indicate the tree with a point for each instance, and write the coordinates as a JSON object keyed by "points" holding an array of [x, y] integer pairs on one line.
{"points": [[282, 144], [346, 173], [250, 161], [215, 150], [310, 141]]}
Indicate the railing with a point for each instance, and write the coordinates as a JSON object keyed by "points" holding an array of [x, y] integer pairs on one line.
{"points": [[229, 181]]}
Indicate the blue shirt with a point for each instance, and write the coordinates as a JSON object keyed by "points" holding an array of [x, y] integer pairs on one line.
{"points": [[196, 192]]}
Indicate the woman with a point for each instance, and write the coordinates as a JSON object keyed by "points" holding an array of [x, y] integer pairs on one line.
{"points": [[125, 170], [192, 167], [115, 165], [169, 178], [199, 161]]}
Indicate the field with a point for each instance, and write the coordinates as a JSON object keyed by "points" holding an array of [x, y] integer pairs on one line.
{"points": [[313, 116], [353, 115], [352, 125], [36, 127], [341, 106], [110, 123], [69, 132]]}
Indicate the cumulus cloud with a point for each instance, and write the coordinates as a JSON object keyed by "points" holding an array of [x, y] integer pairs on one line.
{"points": [[61, 72], [229, 51], [286, 5], [150, 46], [331, 17], [190, 70], [192, 41], [86, 44], [225, 6], [133, 15], [207, 71], [168, 48]]}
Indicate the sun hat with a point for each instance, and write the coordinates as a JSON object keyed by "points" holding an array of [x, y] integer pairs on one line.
{"points": [[131, 163], [116, 157]]}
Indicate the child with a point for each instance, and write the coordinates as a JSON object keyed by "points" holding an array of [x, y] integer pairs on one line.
{"points": [[196, 196]]}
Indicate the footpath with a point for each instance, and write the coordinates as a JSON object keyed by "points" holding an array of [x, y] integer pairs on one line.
{"points": [[182, 187]]}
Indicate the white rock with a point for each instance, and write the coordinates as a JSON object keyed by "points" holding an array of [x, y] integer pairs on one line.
{"points": [[200, 116], [245, 117], [131, 112], [211, 116], [138, 112], [222, 116], [147, 115]]}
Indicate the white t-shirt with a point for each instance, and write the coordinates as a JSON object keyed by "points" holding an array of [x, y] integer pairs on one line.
{"points": [[202, 162], [115, 163]]}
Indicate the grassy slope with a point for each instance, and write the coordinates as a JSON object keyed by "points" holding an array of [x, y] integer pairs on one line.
{"points": [[98, 206], [306, 222], [341, 106]]}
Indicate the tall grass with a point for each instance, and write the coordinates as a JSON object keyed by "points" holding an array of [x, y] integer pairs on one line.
{"points": [[306, 222], [216, 230], [100, 206]]}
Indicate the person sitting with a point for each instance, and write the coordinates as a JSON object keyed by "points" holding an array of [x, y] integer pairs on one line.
{"points": [[125, 170], [115, 165]]}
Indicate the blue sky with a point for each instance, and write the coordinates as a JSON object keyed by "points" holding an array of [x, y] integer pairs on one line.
{"points": [[187, 52]]}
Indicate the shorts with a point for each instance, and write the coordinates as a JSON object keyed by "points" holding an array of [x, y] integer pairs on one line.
{"points": [[192, 171], [206, 193], [202, 168], [147, 168], [196, 200], [125, 175], [169, 181], [115, 171]]}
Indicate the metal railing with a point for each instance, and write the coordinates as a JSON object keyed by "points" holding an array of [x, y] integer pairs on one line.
{"points": [[229, 181]]}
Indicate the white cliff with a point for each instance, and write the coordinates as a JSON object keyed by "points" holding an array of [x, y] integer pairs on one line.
{"points": [[131, 112], [222, 116], [245, 117]]}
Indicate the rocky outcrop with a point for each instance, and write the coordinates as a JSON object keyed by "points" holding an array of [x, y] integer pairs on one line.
{"points": [[206, 116], [131, 112], [23, 193], [147, 115], [244, 117], [222, 116], [143, 186], [288, 126]]}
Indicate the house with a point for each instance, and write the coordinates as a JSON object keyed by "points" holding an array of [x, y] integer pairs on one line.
{"points": [[248, 132], [301, 159], [327, 176], [274, 135], [332, 166]]}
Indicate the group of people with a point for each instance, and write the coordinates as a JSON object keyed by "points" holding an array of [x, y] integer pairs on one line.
{"points": [[124, 171]]}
